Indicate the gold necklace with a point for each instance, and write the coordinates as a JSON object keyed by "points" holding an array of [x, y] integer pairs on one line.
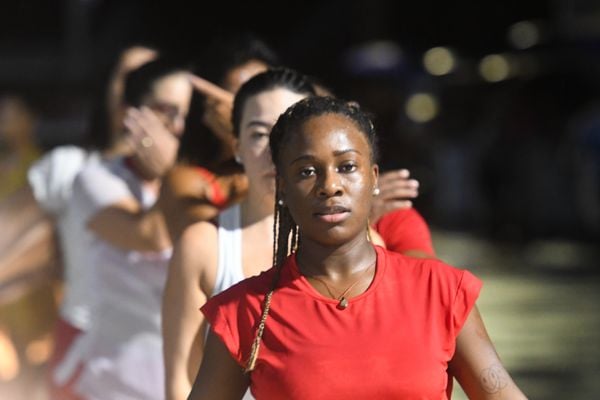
{"points": [[343, 300]]}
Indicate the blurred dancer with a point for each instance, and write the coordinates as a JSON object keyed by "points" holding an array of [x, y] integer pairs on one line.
{"points": [[51, 179], [119, 355]]}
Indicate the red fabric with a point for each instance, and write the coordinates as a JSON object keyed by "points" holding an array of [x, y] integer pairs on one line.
{"points": [[403, 230], [217, 196], [64, 336], [393, 341]]}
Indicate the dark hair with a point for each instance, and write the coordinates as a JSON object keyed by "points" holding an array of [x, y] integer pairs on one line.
{"points": [[286, 234], [138, 82], [230, 51], [308, 108], [224, 53], [280, 77]]}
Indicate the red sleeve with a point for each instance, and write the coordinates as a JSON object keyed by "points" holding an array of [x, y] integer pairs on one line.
{"points": [[233, 314], [221, 313], [452, 293], [466, 295], [404, 230], [217, 196]]}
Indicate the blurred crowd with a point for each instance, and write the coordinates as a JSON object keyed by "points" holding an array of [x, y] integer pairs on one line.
{"points": [[507, 148]]}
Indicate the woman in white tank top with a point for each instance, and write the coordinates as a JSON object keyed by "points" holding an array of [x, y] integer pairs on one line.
{"points": [[209, 258]]}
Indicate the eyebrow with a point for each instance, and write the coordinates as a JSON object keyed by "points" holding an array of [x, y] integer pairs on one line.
{"points": [[335, 153]]}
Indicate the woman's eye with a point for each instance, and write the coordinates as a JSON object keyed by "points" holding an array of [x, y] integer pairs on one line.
{"points": [[259, 135], [350, 167], [306, 172]]}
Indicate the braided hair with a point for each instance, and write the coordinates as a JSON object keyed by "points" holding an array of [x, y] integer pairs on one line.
{"points": [[286, 233], [277, 77]]}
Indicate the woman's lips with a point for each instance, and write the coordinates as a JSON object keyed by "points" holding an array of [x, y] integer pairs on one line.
{"points": [[333, 214]]}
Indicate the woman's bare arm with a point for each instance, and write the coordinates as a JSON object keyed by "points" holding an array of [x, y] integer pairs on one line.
{"points": [[190, 281], [477, 366], [220, 376]]}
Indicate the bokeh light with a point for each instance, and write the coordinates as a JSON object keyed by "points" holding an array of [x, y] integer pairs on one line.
{"points": [[439, 61], [523, 35], [422, 107], [495, 68]]}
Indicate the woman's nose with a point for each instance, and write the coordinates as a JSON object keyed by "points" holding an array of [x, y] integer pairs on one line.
{"points": [[329, 184]]}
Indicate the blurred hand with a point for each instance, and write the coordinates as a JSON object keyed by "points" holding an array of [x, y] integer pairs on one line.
{"points": [[217, 116], [154, 146], [395, 192], [219, 106]]}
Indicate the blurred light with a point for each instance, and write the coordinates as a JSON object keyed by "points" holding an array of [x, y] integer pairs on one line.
{"points": [[375, 57], [524, 34], [421, 107], [9, 361], [439, 61], [38, 351], [494, 68]]}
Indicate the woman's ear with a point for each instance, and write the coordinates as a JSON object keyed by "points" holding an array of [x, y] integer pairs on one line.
{"points": [[236, 151], [375, 171]]}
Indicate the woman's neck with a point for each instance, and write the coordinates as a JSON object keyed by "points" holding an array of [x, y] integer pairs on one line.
{"points": [[257, 207], [335, 262]]}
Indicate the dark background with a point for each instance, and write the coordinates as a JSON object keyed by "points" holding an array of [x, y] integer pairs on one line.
{"points": [[514, 160]]}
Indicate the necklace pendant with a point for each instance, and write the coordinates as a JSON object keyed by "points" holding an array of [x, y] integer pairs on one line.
{"points": [[343, 303]]}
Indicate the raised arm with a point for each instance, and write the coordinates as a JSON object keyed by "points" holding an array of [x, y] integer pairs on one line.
{"points": [[123, 222], [477, 366], [183, 325], [185, 199], [126, 225], [220, 376], [218, 108]]}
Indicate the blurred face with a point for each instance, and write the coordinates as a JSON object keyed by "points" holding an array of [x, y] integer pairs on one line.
{"points": [[170, 100], [259, 115], [327, 179]]}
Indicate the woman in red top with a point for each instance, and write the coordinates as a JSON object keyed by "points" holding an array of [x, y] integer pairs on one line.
{"points": [[338, 317]]}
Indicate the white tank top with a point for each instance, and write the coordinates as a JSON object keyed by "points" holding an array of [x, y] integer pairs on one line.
{"points": [[229, 264]]}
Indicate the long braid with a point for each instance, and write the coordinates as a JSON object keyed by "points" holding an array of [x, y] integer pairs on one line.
{"points": [[283, 227]]}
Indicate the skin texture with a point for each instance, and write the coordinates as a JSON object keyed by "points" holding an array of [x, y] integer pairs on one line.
{"points": [[192, 271], [327, 164]]}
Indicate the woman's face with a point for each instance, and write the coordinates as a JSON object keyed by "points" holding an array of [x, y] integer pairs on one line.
{"points": [[258, 117], [327, 179], [170, 100]]}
